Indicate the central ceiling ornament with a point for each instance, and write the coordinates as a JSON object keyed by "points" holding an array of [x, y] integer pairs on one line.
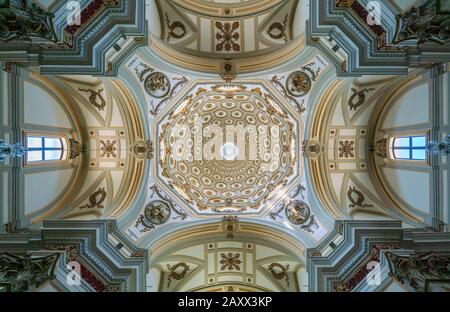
{"points": [[228, 148], [229, 151]]}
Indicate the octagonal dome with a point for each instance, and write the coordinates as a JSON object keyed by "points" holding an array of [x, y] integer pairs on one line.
{"points": [[228, 148]]}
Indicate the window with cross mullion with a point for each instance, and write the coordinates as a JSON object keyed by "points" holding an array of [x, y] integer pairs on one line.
{"points": [[410, 148], [44, 149]]}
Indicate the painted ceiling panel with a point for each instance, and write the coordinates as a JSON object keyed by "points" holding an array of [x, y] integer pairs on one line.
{"points": [[226, 35]]}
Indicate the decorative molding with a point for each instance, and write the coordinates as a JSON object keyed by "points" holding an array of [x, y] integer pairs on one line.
{"points": [[282, 29], [363, 272], [180, 83], [75, 148], [104, 254], [230, 225], [344, 266], [20, 272], [156, 191], [297, 212], [175, 273], [108, 149], [157, 85], [157, 212], [172, 28], [228, 75], [96, 200], [23, 21], [279, 272], [142, 225], [230, 261], [275, 80], [360, 95], [142, 69], [381, 148], [298, 84], [312, 226], [227, 36], [356, 198], [423, 24], [93, 98], [89, 13], [142, 149], [83, 48], [346, 149], [418, 269], [214, 64], [313, 148], [368, 47]]}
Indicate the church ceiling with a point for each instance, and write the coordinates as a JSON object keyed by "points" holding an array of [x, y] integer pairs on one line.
{"points": [[236, 265], [104, 147], [188, 189], [225, 145], [346, 167], [226, 30], [211, 180], [72, 37]]}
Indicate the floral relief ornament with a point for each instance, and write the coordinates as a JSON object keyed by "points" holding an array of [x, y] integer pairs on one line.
{"points": [[108, 148], [230, 261], [227, 37], [347, 149]]}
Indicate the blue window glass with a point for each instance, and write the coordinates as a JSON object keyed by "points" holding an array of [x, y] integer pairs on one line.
{"points": [[44, 149], [410, 148]]}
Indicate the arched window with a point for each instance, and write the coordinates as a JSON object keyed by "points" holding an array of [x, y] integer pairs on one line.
{"points": [[42, 148], [409, 148]]}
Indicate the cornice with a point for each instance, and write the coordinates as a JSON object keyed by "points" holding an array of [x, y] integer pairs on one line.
{"points": [[215, 66]]}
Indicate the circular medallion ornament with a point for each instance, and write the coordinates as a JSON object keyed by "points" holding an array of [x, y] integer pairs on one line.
{"points": [[298, 84], [157, 212], [297, 212], [157, 85]]}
